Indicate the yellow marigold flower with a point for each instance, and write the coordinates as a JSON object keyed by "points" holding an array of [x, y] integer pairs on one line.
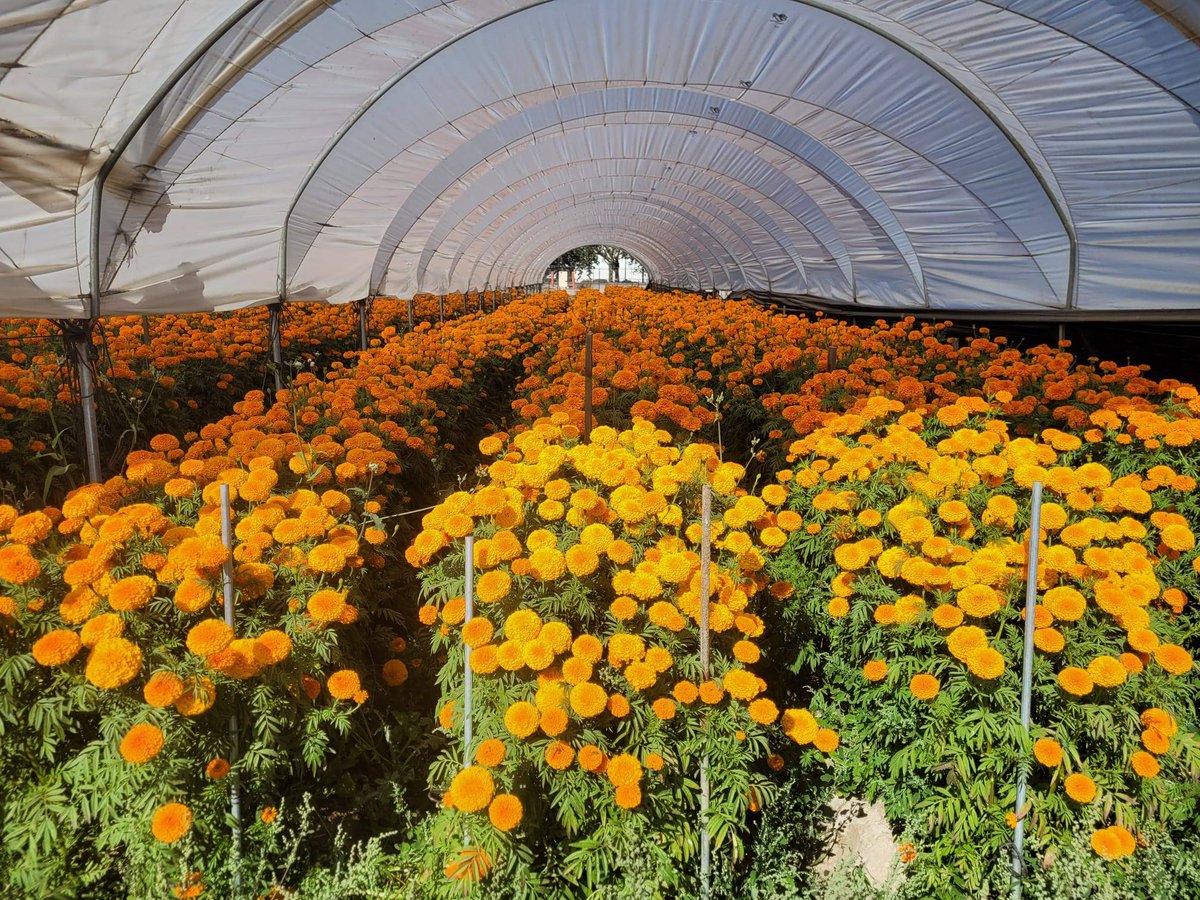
{"points": [[663, 708], [978, 600], [326, 558], [113, 662], [343, 684], [624, 648], [537, 654], [1080, 788], [547, 564], [521, 718], [641, 675], [1048, 640], [446, 715], [141, 743], [472, 789], [742, 684], [1048, 752], [965, 639], [947, 616], [591, 758], [209, 637], [56, 648], [746, 652], [105, 625], [490, 752], [170, 822], [1173, 658], [576, 671], [924, 686], [1178, 537], [618, 706]]}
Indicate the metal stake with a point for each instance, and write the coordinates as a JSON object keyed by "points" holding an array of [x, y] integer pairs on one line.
{"points": [[275, 335], [364, 312], [705, 593], [469, 597], [830, 360], [587, 388], [441, 308], [235, 799], [410, 313], [1035, 528], [77, 338]]}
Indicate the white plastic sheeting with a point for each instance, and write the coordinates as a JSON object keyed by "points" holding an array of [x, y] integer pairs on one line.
{"points": [[1018, 155]]}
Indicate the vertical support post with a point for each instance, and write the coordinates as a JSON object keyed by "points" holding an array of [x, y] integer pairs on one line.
{"points": [[409, 310], [1062, 331], [235, 798], [146, 329], [441, 308], [1035, 528], [469, 598], [465, 309], [481, 301], [493, 301], [830, 360], [364, 313], [587, 388], [705, 594], [77, 338], [275, 336]]}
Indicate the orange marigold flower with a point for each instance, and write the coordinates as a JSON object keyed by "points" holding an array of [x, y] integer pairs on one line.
{"points": [[1080, 788], [56, 648], [493, 586], [131, 593], [924, 686], [505, 812], [162, 689], [395, 672], [17, 564], [1075, 681], [629, 796], [217, 768], [763, 711], [269, 814], [624, 769], [170, 822], [588, 699], [209, 637], [343, 684], [559, 755], [1048, 752], [875, 670], [327, 606], [521, 718], [141, 743], [826, 740], [472, 789], [1173, 658], [113, 662], [1145, 764]]}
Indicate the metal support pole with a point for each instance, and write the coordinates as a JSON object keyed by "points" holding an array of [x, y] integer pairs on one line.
{"points": [[77, 338], [1031, 579], [481, 302], [364, 313], [275, 336], [493, 301], [587, 388], [410, 313], [705, 593], [469, 597], [1062, 331], [146, 329], [235, 798], [830, 360], [465, 309], [441, 308]]}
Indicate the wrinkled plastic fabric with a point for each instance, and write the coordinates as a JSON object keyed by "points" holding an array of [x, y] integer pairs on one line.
{"points": [[1023, 155]]}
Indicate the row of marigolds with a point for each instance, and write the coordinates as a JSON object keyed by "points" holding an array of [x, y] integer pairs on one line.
{"points": [[116, 663], [589, 701], [918, 575]]}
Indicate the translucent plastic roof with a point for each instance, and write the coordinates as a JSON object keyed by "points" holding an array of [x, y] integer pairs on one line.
{"points": [[1017, 155]]}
